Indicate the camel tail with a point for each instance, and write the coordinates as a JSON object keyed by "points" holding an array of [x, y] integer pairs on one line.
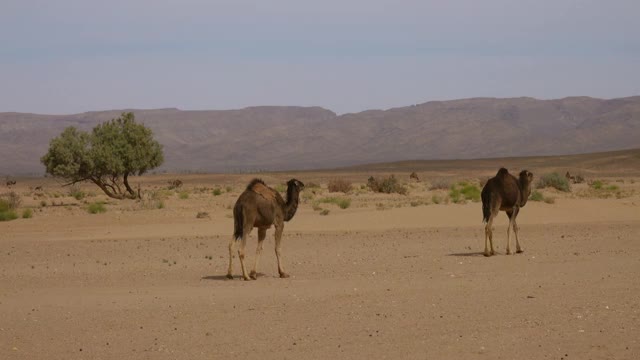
{"points": [[238, 222], [486, 205]]}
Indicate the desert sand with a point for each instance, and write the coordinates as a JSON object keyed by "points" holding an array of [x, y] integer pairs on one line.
{"points": [[390, 277]]}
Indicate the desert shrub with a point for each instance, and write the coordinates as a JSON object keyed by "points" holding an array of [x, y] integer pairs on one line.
{"points": [[578, 179], [228, 189], [343, 203], [612, 188], [324, 212], [43, 203], [281, 188], [76, 193], [455, 195], [553, 180], [536, 196], [464, 191], [316, 206], [312, 185], [27, 213], [8, 215], [339, 185], [217, 192], [183, 195], [470, 192], [12, 199], [386, 185], [597, 184], [436, 199], [307, 195], [153, 200], [440, 184], [550, 200], [416, 203], [96, 208], [174, 184], [202, 215]]}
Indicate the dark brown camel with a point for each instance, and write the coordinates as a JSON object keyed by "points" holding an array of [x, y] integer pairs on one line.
{"points": [[261, 206], [507, 193]]}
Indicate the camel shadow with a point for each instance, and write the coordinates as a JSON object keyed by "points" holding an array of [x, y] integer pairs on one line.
{"points": [[224, 277], [475, 253]]}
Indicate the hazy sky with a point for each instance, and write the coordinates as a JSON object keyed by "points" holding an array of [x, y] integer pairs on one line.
{"points": [[68, 56]]}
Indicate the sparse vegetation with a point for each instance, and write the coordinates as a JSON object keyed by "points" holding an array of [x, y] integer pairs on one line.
{"points": [[436, 199], [12, 199], [536, 196], [324, 212], [550, 200], [217, 192], [183, 195], [228, 189], [27, 213], [464, 191], [343, 203], [96, 208], [339, 185], [76, 193], [202, 215], [416, 203], [554, 180], [386, 185], [597, 184], [440, 184], [174, 184], [281, 188]]}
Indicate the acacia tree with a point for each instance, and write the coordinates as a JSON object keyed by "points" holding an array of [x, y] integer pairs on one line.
{"points": [[107, 156]]}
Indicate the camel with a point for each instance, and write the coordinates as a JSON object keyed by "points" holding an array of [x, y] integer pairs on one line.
{"points": [[507, 193], [414, 176], [261, 206]]}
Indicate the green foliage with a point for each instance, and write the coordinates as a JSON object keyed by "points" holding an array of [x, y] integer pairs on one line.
{"points": [[281, 188], [613, 188], [597, 184], [217, 192], [107, 156], [96, 207], [554, 180], [11, 199], [8, 215], [464, 191], [536, 196], [75, 192], [6, 210], [436, 199], [27, 213], [386, 185], [183, 195]]}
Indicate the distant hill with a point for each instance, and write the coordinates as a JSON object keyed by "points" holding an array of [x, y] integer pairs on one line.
{"points": [[283, 138]]}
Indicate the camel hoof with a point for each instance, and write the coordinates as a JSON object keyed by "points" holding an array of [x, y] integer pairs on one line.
{"points": [[508, 252], [254, 275], [519, 251], [247, 278], [229, 276], [487, 254], [284, 275]]}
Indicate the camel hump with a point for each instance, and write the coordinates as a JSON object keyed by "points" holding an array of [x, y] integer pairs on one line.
{"points": [[502, 172], [259, 187]]}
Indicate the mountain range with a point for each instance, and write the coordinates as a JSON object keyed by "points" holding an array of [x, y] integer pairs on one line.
{"points": [[289, 137]]}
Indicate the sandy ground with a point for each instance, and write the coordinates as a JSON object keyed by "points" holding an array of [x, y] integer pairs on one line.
{"points": [[389, 277]]}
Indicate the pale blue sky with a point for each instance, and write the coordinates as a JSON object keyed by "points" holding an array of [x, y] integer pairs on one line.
{"points": [[68, 56]]}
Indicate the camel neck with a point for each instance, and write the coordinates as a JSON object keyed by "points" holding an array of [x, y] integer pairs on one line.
{"points": [[292, 203], [525, 190]]}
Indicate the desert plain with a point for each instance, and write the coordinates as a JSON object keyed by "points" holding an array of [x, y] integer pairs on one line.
{"points": [[390, 276]]}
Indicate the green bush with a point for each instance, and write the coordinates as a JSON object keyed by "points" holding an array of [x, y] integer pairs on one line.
{"points": [[464, 191], [536, 196], [8, 215], [75, 192], [183, 195], [554, 180], [597, 184], [217, 192], [96, 207], [436, 199], [281, 188], [27, 213]]}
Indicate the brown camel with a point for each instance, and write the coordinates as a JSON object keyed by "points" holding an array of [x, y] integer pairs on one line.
{"points": [[261, 206], [507, 193]]}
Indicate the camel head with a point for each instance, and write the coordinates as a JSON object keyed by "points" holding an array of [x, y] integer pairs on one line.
{"points": [[526, 178], [295, 184]]}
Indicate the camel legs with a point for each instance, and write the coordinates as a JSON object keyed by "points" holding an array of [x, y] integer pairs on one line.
{"points": [[515, 231], [262, 234], [279, 229], [243, 243], [488, 236], [231, 246], [512, 224]]}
